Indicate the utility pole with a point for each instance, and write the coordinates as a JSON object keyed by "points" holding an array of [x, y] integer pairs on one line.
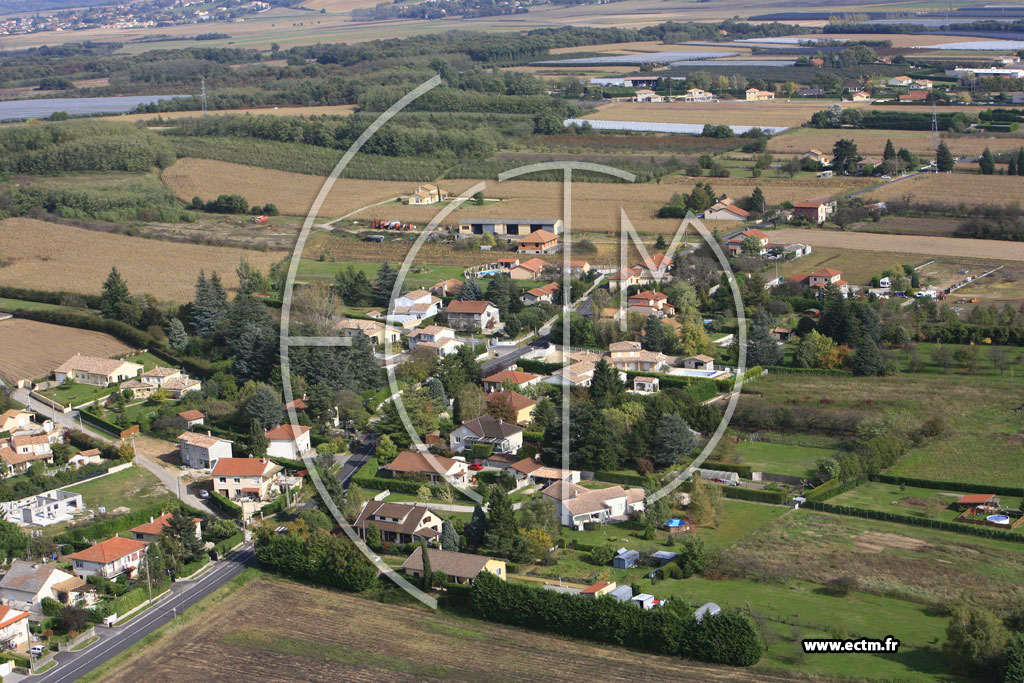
{"points": [[935, 128], [202, 95]]}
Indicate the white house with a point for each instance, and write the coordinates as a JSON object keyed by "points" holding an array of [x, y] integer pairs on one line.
{"points": [[437, 469], [441, 340], [529, 472], [26, 584], [288, 441], [93, 370], [43, 509], [631, 356], [505, 437], [577, 505], [13, 628], [202, 451], [479, 316], [108, 559], [414, 306]]}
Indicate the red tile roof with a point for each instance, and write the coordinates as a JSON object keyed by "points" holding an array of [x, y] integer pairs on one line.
{"points": [[112, 549], [516, 376], [286, 432], [240, 467], [975, 499], [190, 415], [9, 615], [469, 306]]}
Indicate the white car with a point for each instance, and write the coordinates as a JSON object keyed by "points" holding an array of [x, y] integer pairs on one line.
{"points": [[886, 177], [37, 650]]}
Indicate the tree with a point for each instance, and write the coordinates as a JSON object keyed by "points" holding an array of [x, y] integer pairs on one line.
{"points": [[944, 159], [386, 450], [257, 441], [987, 163], [209, 306], [1001, 361], [73, 619], [501, 523], [449, 538], [177, 337], [1013, 670], [890, 151], [751, 245], [845, 157], [673, 441], [315, 519], [427, 579], [385, 284], [762, 349], [654, 334], [476, 529], [705, 501], [539, 513], [115, 296], [181, 529], [975, 639], [606, 389], [373, 537], [942, 356], [436, 390], [867, 360], [470, 291], [470, 403], [693, 556], [264, 407]]}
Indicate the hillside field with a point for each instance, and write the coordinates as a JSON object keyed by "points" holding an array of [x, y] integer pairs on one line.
{"points": [[31, 350], [44, 255]]}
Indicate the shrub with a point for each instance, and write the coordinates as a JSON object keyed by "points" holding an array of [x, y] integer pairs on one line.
{"points": [[842, 586], [601, 555]]}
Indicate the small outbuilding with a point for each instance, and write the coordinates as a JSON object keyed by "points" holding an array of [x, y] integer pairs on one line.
{"points": [[706, 609], [626, 559]]}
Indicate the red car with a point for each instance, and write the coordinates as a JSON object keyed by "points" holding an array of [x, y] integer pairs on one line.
{"points": [[476, 467]]}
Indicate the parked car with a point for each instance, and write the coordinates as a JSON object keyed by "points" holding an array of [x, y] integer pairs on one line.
{"points": [[204, 494], [476, 467], [37, 650]]}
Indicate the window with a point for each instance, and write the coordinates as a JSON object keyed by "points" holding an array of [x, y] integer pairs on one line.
{"points": [[238, 480], [223, 480]]}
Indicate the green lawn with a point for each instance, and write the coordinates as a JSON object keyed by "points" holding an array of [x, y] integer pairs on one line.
{"points": [[420, 275], [14, 304], [134, 487], [738, 519], [795, 461], [148, 361], [911, 501], [76, 394], [135, 412]]}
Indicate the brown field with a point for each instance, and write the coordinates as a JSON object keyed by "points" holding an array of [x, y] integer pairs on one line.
{"points": [[905, 225], [779, 112], [49, 256], [776, 190], [279, 631], [904, 244], [953, 189], [999, 288], [335, 110], [872, 142], [32, 349]]}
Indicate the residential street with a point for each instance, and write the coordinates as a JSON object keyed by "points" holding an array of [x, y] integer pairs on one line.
{"points": [[184, 594]]}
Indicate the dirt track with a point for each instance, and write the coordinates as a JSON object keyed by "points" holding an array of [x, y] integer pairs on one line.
{"points": [[904, 244]]}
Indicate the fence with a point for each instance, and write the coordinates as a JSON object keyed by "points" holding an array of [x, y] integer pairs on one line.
{"points": [[77, 640], [49, 402]]}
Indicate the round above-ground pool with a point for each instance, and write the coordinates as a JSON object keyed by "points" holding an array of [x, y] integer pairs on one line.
{"points": [[998, 519]]}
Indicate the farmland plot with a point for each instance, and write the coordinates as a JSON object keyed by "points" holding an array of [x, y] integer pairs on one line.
{"points": [[904, 244], [57, 257], [943, 188], [272, 629], [31, 350], [871, 143]]}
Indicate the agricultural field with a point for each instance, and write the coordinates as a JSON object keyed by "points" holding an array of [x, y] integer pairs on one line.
{"points": [[982, 442], [329, 110], [34, 260], [999, 288], [269, 628], [935, 187], [776, 190], [871, 143], [903, 244], [420, 276], [909, 225], [32, 350]]}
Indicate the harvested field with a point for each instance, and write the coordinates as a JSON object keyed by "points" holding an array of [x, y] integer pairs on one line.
{"points": [[908, 225], [778, 112], [905, 244], [269, 630], [49, 256], [334, 110], [857, 266], [31, 349], [959, 189], [872, 142], [642, 47]]}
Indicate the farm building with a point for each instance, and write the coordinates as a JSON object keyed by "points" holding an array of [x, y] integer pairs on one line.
{"points": [[725, 210], [509, 227], [598, 589]]}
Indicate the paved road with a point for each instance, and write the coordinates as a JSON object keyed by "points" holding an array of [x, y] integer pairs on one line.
{"points": [[356, 460], [184, 594]]}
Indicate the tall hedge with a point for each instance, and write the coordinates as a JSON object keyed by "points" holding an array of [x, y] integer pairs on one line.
{"points": [[228, 507], [115, 328], [725, 638], [965, 487]]}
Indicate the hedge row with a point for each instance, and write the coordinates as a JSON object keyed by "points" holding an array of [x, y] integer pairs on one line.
{"points": [[786, 370], [127, 602], [97, 421], [192, 567], [407, 486], [948, 485], [289, 464], [48, 297], [963, 333], [274, 506], [225, 546], [772, 496], [228, 507], [537, 367], [884, 516], [202, 368], [832, 488], [724, 638], [115, 328], [700, 389], [744, 471]]}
